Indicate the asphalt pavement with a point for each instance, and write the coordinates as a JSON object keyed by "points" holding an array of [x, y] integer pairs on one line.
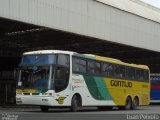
{"points": [[151, 112]]}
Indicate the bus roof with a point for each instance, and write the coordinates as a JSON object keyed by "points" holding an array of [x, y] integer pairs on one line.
{"points": [[112, 60], [47, 52], [89, 56]]}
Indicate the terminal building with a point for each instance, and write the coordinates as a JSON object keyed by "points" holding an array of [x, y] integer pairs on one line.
{"points": [[123, 29]]}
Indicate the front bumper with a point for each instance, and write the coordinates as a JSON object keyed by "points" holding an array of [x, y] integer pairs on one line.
{"points": [[35, 100]]}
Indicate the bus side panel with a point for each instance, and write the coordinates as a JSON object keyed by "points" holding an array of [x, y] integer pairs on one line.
{"points": [[97, 88], [120, 89], [93, 90], [102, 90], [79, 86], [155, 93]]}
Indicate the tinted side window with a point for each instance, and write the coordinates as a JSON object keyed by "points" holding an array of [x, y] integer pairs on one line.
{"points": [[142, 75], [130, 73], [61, 78], [113, 70], [107, 69], [119, 71], [146, 75], [139, 74], [79, 65], [93, 67], [63, 60]]}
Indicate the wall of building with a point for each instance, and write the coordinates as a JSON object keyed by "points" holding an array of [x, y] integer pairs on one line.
{"points": [[86, 17]]}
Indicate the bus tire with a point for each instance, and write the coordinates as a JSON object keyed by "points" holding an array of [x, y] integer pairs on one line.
{"points": [[135, 103], [44, 108], [128, 103], [74, 104]]}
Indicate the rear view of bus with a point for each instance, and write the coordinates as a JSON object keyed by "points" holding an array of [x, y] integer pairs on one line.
{"points": [[155, 88]]}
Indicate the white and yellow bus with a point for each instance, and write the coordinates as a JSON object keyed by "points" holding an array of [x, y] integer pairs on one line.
{"points": [[51, 78]]}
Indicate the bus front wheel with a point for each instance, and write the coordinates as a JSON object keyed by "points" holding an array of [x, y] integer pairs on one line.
{"points": [[74, 104]]}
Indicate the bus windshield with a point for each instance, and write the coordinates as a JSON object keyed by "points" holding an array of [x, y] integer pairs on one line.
{"points": [[44, 71], [34, 77]]}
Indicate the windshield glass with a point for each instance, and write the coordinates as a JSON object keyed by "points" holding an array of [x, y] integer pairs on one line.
{"points": [[38, 59], [38, 71], [34, 77]]}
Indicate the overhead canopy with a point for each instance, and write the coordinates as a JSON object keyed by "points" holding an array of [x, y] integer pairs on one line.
{"points": [[136, 7]]}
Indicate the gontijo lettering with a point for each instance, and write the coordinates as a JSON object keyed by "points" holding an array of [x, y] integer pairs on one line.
{"points": [[120, 83]]}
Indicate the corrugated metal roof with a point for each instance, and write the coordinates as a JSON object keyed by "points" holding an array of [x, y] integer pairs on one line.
{"points": [[136, 7]]}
